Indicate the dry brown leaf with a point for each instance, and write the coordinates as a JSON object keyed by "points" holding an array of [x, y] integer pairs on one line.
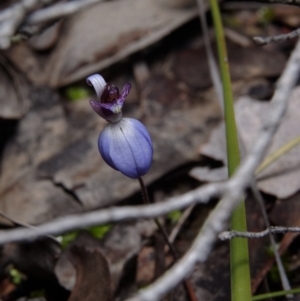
{"points": [[98, 37], [120, 247], [93, 281], [91, 268], [282, 177]]}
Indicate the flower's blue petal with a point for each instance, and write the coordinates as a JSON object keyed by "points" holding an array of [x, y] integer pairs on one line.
{"points": [[140, 127], [104, 142], [126, 146], [98, 82]]}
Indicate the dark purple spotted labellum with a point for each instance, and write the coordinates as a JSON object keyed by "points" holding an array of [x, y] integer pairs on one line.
{"points": [[124, 143], [110, 94]]}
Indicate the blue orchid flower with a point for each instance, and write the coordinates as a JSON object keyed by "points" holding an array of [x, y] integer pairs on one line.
{"points": [[124, 144]]}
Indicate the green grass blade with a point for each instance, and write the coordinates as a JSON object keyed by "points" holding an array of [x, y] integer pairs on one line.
{"points": [[278, 154], [275, 294], [239, 257]]}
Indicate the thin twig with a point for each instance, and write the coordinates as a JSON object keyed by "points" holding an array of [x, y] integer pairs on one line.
{"points": [[113, 214], [279, 38], [180, 223], [283, 276], [271, 230], [20, 224], [213, 66]]}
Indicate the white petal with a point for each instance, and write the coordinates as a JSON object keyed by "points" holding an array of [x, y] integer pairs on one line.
{"points": [[98, 82]]}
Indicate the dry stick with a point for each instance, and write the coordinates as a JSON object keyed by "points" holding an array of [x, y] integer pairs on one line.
{"points": [[213, 66], [114, 214], [20, 224], [283, 276], [218, 219], [271, 230], [278, 38], [180, 223], [187, 285]]}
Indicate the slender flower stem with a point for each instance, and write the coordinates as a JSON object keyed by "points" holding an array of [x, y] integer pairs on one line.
{"points": [[187, 284], [157, 222]]}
